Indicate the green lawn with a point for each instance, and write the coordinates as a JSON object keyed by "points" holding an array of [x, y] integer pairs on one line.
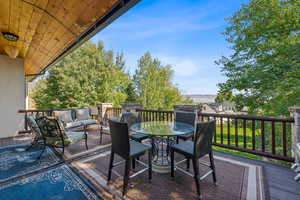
{"points": [[258, 139]]}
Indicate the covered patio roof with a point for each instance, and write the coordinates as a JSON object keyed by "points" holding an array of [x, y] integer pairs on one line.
{"points": [[49, 29]]}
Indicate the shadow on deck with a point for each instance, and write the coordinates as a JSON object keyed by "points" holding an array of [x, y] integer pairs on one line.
{"points": [[238, 177]]}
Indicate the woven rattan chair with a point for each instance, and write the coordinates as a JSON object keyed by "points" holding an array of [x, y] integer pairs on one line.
{"points": [[128, 150], [131, 118], [188, 118], [201, 146]]}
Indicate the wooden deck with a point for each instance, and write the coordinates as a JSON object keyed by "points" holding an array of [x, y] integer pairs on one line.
{"points": [[278, 184], [279, 180]]}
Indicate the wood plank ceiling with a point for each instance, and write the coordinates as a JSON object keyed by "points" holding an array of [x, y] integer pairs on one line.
{"points": [[46, 27]]}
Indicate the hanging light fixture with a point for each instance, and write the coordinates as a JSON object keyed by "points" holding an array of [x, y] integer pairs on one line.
{"points": [[10, 36], [11, 51]]}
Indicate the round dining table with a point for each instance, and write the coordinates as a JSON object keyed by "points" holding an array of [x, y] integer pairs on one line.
{"points": [[162, 134]]}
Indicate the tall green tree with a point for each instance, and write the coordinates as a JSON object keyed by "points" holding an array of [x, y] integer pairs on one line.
{"points": [[89, 75], [263, 72], [153, 84]]}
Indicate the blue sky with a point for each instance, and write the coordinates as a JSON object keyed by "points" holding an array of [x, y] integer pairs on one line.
{"points": [[187, 34]]}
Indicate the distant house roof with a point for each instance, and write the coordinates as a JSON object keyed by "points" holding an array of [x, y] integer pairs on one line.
{"points": [[213, 106], [202, 98]]}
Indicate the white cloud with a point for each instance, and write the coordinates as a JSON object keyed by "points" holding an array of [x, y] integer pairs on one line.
{"points": [[194, 75], [198, 86], [187, 66], [182, 66]]}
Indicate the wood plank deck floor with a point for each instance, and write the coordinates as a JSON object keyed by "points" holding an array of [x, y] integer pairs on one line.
{"points": [[279, 180]]}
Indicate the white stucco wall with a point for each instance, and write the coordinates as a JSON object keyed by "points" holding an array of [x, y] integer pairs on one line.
{"points": [[12, 96]]}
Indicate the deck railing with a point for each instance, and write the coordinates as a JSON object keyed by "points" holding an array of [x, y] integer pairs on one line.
{"points": [[258, 135], [35, 112], [112, 112]]}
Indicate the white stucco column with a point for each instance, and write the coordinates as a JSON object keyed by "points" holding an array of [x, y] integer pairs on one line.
{"points": [[26, 94], [12, 96], [295, 112]]}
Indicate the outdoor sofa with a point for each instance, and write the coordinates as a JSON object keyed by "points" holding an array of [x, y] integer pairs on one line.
{"points": [[76, 117]]}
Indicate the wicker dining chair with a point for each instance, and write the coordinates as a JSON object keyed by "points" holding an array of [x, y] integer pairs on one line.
{"points": [[128, 150], [194, 150], [132, 118], [187, 118]]}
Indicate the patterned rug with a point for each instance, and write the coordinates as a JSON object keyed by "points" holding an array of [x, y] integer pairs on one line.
{"points": [[78, 149], [55, 184], [236, 181], [14, 163]]}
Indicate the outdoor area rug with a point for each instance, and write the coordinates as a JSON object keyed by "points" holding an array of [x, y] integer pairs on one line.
{"points": [[78, 149], [14, 163], [55, 184], [236, 181]]}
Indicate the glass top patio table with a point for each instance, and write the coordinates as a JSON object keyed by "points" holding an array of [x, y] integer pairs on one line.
{"points": [[162, 128]]}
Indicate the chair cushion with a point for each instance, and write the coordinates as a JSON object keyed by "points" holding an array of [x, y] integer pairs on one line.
{"points": [[186, 148], [57, 141], [75, 136], [89, 121], [82, 114], [80, 123], [69, 138], [73, 124], [137, 148], [53, 131], [64, 115], [138, 136], [94, 111], [105, 130], [186, 136], [50, 126]]}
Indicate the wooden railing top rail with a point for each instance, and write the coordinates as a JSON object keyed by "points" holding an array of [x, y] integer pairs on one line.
{"points": [[158, 111], [233, 116], [44, 110], [249, 117]]}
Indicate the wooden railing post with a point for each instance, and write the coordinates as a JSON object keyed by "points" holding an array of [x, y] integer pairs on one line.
{"points": [[25, 122], [102, 109]]}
